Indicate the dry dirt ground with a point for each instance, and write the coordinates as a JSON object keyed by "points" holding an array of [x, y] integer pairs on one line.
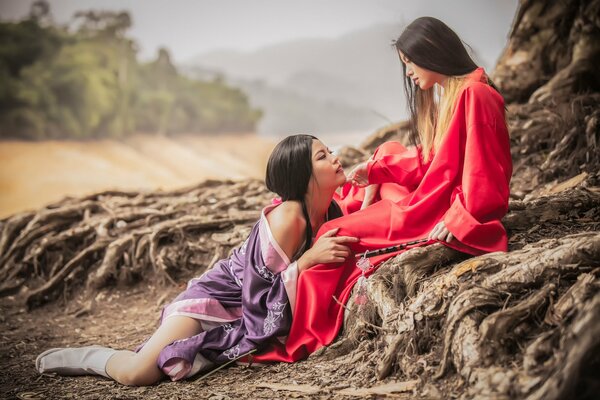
{"points": [[123, 319]]}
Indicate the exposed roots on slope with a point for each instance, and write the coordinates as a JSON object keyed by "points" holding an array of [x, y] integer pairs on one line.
{"points": [[116, 237], [494, 320]]}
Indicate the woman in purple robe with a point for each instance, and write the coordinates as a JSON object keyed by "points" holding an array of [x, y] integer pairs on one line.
{"points": [[245, 301]]}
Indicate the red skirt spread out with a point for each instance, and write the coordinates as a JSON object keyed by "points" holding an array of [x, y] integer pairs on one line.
{"points": [[465, 184]]}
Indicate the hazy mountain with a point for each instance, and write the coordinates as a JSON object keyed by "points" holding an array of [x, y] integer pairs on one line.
{"points": [[358, 75], [288, 112]]}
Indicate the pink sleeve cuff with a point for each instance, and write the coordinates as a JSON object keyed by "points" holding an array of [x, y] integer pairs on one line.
{"points": [[289, 276]]}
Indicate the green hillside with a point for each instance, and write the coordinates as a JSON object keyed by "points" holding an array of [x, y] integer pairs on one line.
{"points": [[83, 80]]}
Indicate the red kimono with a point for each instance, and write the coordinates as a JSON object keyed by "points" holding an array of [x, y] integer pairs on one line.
{"points": [[465, 184]]}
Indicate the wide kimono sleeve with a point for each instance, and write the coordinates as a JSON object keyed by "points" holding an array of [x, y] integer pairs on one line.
{"points": [[392, 162], [480, 201], [266, 314]]}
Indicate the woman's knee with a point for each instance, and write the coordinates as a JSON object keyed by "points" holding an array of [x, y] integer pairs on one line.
{"points": [[138, 372]]}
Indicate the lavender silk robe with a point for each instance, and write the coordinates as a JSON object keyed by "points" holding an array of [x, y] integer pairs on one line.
{"points": [[242, 304]]}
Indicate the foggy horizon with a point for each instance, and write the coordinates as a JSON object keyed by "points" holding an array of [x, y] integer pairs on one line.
{"points": [[251, 26]]}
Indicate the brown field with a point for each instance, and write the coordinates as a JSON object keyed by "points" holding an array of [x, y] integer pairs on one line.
{"points": [[33, 174]]}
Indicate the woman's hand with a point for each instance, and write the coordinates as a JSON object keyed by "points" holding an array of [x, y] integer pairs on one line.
{"points": [[359, 175], [440, 232], [370, 193], [328, 249]]}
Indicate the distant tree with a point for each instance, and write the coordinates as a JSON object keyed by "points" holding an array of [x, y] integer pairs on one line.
{"points": [[103, 23], [40, 12], [83, 80]]}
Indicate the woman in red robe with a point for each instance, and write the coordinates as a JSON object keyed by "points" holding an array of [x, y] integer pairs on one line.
{"points": [[451, 186]]}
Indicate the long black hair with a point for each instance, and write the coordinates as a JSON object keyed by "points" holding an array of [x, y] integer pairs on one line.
{"points": [[431, 44], [288, 173]]}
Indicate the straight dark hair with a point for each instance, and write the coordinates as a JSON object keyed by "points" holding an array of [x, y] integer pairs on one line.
{"points": [[431, 44], [288, 173]]}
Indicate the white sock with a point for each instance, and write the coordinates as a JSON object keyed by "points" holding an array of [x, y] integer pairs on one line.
{"points": [[200, 364], [90, 360]]}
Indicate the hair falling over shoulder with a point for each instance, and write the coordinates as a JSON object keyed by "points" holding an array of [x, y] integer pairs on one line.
{"points": [[435, 109]]}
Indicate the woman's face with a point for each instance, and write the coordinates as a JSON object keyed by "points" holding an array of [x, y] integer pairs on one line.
{"points": [[327, 171], [423, 78]]}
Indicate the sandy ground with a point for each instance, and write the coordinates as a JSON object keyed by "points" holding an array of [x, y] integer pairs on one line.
{"points": [[33, 174], [124, 318]]}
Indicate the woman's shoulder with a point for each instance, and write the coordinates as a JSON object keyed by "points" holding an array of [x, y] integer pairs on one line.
{"points": [[481, 101], [285, 212], [476, 91], [286, 221]]}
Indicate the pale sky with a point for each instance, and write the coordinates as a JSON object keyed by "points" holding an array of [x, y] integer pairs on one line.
{"points": [[192, 27]]}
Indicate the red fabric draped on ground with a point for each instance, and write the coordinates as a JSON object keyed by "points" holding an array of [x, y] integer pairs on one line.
{"points": [[466, 184]]}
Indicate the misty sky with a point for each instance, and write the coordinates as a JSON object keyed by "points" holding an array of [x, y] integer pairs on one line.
{"points": [[192, 27]]}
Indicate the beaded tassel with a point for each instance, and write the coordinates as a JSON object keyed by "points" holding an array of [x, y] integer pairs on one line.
{"points": [[364, 265]]}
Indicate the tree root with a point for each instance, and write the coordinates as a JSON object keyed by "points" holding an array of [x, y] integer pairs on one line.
{"points": [[579, 346], [462, 305], [478, 304], [499, 325], [124, 236]]}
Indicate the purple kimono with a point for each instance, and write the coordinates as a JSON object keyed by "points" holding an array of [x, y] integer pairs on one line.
{"points": [[242, 303]]}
